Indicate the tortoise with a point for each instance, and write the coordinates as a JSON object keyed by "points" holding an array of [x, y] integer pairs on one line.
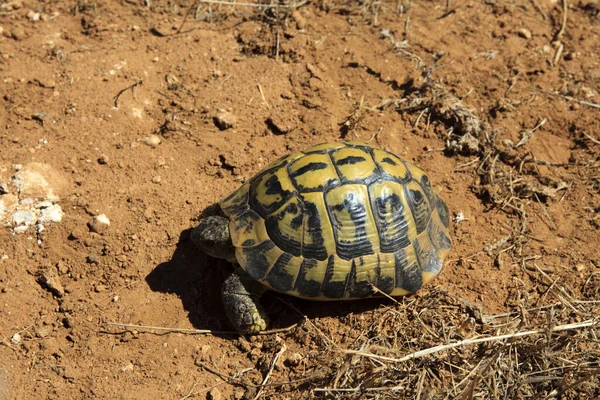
{"points": [[338, 221]]}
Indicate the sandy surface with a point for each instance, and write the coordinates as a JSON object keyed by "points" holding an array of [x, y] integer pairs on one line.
{"points": [[116, 113]]}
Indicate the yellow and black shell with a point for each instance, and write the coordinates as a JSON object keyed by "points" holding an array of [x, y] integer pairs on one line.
{"points": [[331, 222]]}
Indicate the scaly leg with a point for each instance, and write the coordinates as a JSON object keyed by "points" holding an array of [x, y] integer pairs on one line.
{"points": [[240, 294]]}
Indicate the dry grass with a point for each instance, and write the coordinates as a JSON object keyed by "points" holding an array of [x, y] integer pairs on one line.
{"points": [[546, 348], [467, 356]]}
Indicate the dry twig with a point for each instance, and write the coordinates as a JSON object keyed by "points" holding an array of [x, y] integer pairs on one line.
{"points": [[468, 342]]}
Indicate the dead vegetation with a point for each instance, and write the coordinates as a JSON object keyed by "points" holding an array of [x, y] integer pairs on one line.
{"points": [[436, 346], [433, 345]]}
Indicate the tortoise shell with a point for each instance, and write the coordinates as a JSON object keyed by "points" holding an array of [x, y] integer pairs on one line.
{"points": [[331, 222]]}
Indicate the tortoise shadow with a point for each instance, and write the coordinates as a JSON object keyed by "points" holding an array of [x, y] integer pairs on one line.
{"points": [[196, 279], [312, 309]]}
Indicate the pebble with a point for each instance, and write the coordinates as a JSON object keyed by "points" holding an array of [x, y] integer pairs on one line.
{"points": [[300, 20], [18, 32], [23, 218], [34, 16], [15, 339], [40, 181], [51, 281], [127, 368], [99, 224], [151, 140], [225, 120], [103, 159], [76, 234], [43, 204], [524, 33], [214, 394], [172, 82], [280, 125], [294, 359], [92, 259], [42, 331], [51, 214], [156, 179], [62, 267]]}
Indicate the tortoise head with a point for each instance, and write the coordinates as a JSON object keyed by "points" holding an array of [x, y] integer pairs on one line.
{"points": [[212, 237]]}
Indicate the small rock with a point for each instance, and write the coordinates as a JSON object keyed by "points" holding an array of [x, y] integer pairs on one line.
{"points": [[43, 204], [3, 188], [23, 217], [50, 280], [15, 339], [92, 259], [18, 32], [42, 331], [293, 359], [76, 234], [163, 29], [300, 20], [225, 120], [238, 393], [35, 16], [99, 224], [280, 124], [8, 203], [40, 181], [103, 159], [156, 179], [127, 368], [62, 267], [524, 33], [51, 214], [151, 140], [172, 82], [99, 288], [20, 229], [214, 394], [286, 94], [14, 5]]}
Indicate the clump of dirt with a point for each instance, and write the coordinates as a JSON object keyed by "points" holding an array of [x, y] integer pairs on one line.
{"points": [[148, 112]]}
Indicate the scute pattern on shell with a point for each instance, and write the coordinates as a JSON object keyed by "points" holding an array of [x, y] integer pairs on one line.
{"points": [[335, 220]]}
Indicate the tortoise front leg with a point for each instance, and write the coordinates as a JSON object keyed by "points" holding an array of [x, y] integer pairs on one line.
{"points": [[241, 294]]}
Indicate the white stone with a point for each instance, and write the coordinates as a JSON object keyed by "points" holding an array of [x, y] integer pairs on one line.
{"points": [[99, 224], [23, 217], [16, 338], [151, 140], [43, 204], [51, 214], [40, 181]]}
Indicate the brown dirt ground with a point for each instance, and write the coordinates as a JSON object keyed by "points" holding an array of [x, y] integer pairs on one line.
{"points": [[471, 79]]}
